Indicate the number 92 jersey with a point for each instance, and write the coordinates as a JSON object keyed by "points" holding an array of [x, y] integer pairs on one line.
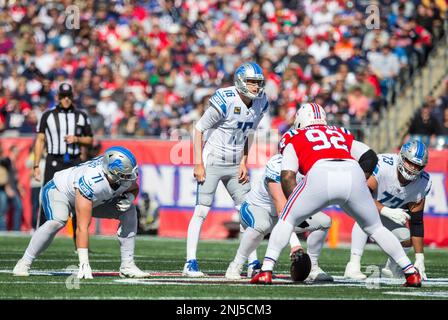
{"points": [[390, 192], [314, 143]]}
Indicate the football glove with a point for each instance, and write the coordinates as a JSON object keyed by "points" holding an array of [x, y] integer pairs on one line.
{"points": [[420, 265], [125, 201], [85, 272], [397, 215]]}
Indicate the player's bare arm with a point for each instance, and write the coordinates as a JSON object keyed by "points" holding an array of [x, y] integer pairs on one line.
{"points": [[243, 173], [83, 208], [199, 169], [288, 179], [276, 193]]}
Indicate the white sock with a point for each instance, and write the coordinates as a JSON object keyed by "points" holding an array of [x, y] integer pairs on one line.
{"points": [[294, 241], [83, 254], [249, 242], [194, 230], [41, 239], [359, 240], [315, 243], [127, 248], [280, 236], [390, 244], [355, 259], [253, 255]]}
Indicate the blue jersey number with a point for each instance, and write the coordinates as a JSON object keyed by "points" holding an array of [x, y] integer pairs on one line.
{"points": [[229, 93], [395, 202], [239, 135], [388, 160]]}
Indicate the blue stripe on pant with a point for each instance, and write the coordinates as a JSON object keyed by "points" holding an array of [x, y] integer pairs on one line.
{"points": [[246, 215], [46, 201]]}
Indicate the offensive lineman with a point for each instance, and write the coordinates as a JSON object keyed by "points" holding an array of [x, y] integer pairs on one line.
{"points": [[399, 186], [233, 115], [104, 187], [326, 156]]}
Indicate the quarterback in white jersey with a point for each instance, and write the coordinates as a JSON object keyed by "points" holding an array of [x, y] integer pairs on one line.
{"points": [[399, 186], [259, 213], [104, 187], [233, 115]]}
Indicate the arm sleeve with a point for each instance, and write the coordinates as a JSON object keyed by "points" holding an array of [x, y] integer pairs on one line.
{"points": [[290, 160], [210, 117], [416, 224], [358, 149]]}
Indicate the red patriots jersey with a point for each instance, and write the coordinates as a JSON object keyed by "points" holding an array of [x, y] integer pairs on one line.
{"points": [[314, 143], [286, 138]]}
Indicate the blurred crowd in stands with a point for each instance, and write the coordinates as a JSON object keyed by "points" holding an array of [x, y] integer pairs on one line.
{"points": [[147, 68]]}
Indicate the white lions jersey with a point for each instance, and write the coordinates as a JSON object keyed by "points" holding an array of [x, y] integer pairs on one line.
{"points": [[389, 192], [90, 180], [226, 130], [259, 196]]}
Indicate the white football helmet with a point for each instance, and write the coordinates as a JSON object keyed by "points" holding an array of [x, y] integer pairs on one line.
{"points": [[416, 153], [310, 114], [249, 71], [119, 164]]}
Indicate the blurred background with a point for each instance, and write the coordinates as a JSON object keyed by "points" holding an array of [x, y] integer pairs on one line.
{"points": [[144, 70]]}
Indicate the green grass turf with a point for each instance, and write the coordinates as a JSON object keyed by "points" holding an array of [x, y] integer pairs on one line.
{"points": [[167, 255]]}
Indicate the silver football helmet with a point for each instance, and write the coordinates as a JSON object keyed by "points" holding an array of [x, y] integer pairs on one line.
{"points": [[249, 71], [416, 153], [310, 114], [119, 164]]}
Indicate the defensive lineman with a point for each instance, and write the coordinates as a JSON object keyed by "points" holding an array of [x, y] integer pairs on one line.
{"points": [[104, 187], [259, 213], [234, 113], [326, 156], [399, 186]]}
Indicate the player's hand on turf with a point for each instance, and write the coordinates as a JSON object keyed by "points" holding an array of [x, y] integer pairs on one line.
{"points": [[199, 173], [420, 265], [243, 174], [125, 202], [85, 272], [397, 215]]}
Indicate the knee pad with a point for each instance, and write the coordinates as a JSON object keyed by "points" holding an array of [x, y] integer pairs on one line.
{"points": [[201, 211], [325, 222], [55, 225], [370, 230], [264, 227], [402, 234]]}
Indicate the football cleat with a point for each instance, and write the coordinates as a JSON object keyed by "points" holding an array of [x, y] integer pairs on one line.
{"points": [[234, 271], [300, 265], [353, 271], [392, 270], [191, 269], [319, 275], [21, 269], [130, 270], [253, 268], [413, 280], [263, 277]]}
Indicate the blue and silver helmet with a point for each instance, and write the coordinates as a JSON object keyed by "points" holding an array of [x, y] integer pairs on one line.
{"points": [[249, 71], [119, 164], [416, 153]]}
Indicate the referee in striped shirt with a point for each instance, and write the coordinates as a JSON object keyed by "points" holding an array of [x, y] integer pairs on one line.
{"points": [[62, 130]]}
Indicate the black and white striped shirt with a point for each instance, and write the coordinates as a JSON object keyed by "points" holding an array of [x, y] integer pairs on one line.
{"points": [[58, 123]]}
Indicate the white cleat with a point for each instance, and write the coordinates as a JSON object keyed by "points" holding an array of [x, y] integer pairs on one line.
{"points": [[319, 275], [234, 271], [353, 271], [392, 270], [21, 269], [253, 268], [191, 269], [130, 270]]}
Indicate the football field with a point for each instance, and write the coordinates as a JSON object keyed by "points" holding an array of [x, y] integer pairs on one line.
{"points": [[52, 274]]}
